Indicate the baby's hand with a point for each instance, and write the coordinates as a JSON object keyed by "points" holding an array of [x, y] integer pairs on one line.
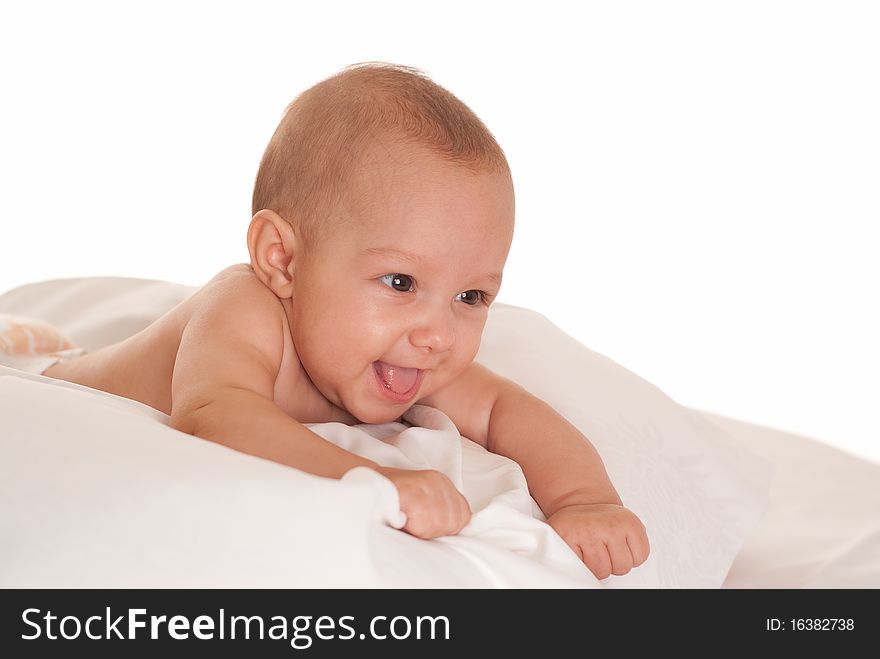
{"points": [[608, 538], [432, 505]]}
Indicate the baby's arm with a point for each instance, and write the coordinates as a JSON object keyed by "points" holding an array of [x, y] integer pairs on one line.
{"points": [[564, 472], [222, 390], [224, 379]]}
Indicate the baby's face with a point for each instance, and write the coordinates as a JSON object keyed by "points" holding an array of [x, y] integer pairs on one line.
{"points": [[392, 306]]}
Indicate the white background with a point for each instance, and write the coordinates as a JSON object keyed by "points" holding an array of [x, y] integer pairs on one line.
{"points": [[698, 183]]}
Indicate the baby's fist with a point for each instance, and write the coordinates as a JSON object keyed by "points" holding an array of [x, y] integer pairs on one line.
{"points": [[432, 504], [608, 538]]}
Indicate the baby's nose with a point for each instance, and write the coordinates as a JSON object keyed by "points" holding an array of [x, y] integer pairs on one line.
{"points": [[436, 332]]}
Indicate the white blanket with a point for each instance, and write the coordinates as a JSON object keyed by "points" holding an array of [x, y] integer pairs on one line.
{"points": [[337, 532], [97, 490]]}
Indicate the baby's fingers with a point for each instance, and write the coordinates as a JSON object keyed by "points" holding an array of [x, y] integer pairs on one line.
{"points": [[427, 525], [596, 557], [459, 512], [639, 547], [621, 557], [465, 515], [444, 515]]}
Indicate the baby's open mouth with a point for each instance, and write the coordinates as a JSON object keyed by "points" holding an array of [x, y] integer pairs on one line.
{"points": [[398, 379]]}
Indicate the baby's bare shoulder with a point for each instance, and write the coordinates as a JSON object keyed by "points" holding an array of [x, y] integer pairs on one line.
{"points": [[235, 295], [238, 285], [236, 308], [234, 337]]}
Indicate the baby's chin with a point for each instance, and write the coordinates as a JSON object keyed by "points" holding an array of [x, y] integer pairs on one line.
{"points": [[377, 417]]}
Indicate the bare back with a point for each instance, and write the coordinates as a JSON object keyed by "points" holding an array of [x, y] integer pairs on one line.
{"points": [[142, 367]]}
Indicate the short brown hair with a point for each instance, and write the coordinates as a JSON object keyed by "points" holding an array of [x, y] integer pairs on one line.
{"points": [[308, 163]]}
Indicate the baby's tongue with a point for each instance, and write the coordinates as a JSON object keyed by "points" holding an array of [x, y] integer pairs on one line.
{"points": [[398, 379]]}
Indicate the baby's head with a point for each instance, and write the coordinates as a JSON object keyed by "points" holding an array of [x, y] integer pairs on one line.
{"points": [[383, 215]]}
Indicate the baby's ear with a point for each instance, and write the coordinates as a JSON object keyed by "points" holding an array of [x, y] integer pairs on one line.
{"points": [[272, 244]]}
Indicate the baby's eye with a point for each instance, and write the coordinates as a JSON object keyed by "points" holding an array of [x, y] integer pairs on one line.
{"points": [[398, 282], [471, 297]]}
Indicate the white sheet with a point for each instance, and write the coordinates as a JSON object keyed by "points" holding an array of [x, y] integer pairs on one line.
{"points": [[116, 487], [822, 526], [99, 516], [97, 491]]}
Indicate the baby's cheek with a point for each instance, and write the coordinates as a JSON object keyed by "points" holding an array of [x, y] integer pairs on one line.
{"points": [[466, 357], [450, 372]]}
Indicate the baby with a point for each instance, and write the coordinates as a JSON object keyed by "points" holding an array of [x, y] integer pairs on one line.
{"points": [[383, 213]]}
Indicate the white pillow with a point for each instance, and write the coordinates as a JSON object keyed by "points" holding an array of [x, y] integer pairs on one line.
{"points": [[698, 493]]}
